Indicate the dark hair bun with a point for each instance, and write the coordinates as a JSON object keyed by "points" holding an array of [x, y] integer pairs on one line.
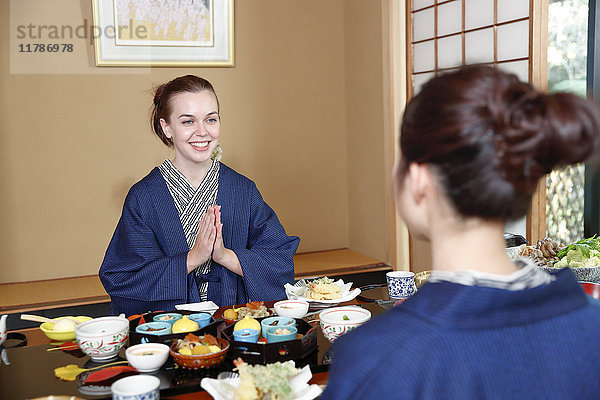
{"points": [[492, 137]]}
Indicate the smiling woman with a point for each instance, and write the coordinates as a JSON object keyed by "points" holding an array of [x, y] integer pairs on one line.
{"points": [[172, 244]]}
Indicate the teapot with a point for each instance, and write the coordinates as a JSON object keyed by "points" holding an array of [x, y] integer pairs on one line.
{"points": [[3, 329]]}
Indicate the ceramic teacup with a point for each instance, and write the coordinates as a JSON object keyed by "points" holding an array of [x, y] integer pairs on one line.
{"points": [[136, 387], [401, 284]]}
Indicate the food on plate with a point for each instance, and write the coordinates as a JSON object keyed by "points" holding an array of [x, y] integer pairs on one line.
{"points": [[166, 317], [549, 253], [258, 382], [184, 324], [247, 323], [282, 331], [323, 289], [584, 253], [545, 253], [150, 329], [421, 278], [255, 309], [230, 313], [65, 324], [197, 345]]}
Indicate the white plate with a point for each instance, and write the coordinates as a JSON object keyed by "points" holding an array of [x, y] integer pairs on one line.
{"points": [[296, 292], [205, 306], [226, 383]]}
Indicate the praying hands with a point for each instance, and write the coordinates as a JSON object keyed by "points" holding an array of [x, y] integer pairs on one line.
{"points": [[209, 244]]}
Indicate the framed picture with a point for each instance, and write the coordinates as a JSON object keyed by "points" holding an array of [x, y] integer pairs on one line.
{"points": [[170, 33]]}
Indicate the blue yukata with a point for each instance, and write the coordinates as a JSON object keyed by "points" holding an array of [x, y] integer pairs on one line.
{"points": [[144, 268], [452, 341]]}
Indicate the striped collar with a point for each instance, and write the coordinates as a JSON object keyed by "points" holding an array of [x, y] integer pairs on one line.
{"points": [[528, 276]]}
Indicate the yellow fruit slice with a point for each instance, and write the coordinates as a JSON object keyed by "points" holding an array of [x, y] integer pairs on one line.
{"points": [[185, 351], [230, 314]]}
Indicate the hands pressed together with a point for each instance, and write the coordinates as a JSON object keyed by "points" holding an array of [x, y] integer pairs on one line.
{"points": [[209, 244]]}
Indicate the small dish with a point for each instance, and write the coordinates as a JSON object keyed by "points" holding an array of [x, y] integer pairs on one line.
{"points": [[201, 360], [291, 308], [246, 335], [154, 328], [136, 387], [273, 337], [202, 319], [592, 289], [277, 322], [102, 338], [167, 317], [339, 320], [147, 357], [422, 277], [61, 336]]}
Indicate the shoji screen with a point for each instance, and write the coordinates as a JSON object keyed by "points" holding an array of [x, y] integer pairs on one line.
{"points": [[447, 34], [508, 34]]}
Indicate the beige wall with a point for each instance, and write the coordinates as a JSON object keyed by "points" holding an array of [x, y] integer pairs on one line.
{"points": [[365, 127], [301, 114]]}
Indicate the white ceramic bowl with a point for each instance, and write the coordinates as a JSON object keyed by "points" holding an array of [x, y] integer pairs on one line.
{"points": [[291, 308], [147, 357], [136, 387], [339, 320], [102, 338]]}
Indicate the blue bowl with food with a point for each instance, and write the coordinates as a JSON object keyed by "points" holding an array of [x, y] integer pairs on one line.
{"points": [[154, 328], [281, 333], [277, 322], [202, 319], [246, 335], [167, 317]]}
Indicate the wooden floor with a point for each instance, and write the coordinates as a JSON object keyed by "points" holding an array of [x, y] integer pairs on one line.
{"points": [[54, 293]]}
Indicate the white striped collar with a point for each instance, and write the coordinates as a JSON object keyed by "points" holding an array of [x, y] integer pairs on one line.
{"points": [[528, 276]]}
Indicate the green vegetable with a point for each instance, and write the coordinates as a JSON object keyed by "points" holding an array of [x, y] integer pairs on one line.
{"points": [[324, 280], [584, 246], [582, 256], [273, 378], [345, 318]]}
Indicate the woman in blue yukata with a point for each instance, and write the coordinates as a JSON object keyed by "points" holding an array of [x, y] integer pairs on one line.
{"points": [[194, 229], [474, 144]]}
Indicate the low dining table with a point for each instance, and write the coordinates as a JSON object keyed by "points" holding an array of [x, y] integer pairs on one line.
{"points": [[27, 372]]}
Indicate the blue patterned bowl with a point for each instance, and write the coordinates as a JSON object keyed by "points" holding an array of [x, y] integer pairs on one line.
{"points": [[136, 387]]}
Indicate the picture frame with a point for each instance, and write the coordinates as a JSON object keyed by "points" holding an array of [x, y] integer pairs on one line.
{"points": [[163, 33]]}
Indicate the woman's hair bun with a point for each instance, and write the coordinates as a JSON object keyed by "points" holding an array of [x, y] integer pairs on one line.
{"points": [[542, 131], [492, 137]]}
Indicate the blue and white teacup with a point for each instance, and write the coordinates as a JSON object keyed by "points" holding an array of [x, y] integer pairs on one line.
{"points": [[401, 284]]}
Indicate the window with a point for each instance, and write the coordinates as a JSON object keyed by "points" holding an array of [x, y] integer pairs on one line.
{"points": [[566, 189]]}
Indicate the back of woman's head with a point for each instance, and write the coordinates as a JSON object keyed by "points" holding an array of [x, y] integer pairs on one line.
{"points": [[163, 96], [490, 138]]}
